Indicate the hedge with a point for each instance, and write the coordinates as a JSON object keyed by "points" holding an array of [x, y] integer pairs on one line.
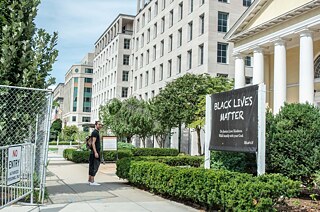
{"points": [[63, 143], [83, 156], [123, 165], [155, 152], [213, 189]]}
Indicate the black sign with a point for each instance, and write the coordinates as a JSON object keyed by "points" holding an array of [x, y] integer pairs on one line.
{"points": [[235, 120]]}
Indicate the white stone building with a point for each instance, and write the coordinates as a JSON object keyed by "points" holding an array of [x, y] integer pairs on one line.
{"points": [[138, 55], [78, 93], [112, 63], [284, 39]]}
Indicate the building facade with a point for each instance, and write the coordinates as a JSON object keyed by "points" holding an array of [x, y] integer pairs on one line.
{"points": [[138, 55], [78, 93], [175, 37], [112, 63], [284, 40], [57, 110]]}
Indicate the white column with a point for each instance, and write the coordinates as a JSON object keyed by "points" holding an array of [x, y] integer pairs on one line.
{"points": [[138, 6], [143, 3], [258, 66], [280, 75], [120, 25], [306, 70], [239, 78]]}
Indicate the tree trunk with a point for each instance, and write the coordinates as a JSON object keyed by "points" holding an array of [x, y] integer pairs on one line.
{"points": [[128, 139], [199, 140]]}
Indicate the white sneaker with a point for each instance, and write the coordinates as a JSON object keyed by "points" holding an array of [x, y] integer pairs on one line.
{"points": [[94, 184]]}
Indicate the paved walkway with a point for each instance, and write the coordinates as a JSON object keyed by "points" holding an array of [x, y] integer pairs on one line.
{"points": [[69, 191]]}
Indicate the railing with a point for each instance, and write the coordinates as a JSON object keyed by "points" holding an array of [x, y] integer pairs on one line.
{"points": [[16, 173]]}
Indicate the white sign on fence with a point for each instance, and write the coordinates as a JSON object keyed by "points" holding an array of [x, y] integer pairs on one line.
{"points": [[14, 164], [109, 143]]}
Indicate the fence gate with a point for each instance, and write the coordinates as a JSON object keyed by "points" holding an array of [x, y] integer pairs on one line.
{"points": [[24, 134]]}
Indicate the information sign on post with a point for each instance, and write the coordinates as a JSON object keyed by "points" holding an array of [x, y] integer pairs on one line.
{"points": [[235, 120], [14, 165], [238, 122], [109, 143]]}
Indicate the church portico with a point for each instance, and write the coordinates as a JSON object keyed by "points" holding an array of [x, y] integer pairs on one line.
{"points": [[285, 51]]}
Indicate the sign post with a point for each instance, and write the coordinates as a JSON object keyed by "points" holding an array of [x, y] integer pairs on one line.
{"points": [[14, 165], [261, 154], [208, 131], [109, 143]]}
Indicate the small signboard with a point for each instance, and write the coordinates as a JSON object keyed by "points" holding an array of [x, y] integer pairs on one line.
{"points": [[109, 143], [14, 165], [235, 120]]}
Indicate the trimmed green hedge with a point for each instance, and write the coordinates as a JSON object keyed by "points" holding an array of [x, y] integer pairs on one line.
{"points": [[155, 152], [83, 156], [123, 165], [213, 189], [63, 143]]}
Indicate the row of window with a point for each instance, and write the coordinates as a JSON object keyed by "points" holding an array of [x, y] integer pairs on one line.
{"points": [[245, 3], [86, 80], [179, 33], [84, 119], [171, 14]]}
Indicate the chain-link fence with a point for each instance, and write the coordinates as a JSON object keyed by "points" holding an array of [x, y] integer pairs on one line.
{"points": [[25, 118]]}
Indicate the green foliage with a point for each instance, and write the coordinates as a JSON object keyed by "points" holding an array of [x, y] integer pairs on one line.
{"points": [[70, 133], [123, 165], [155, 152], [63, 143], [233, 161], [79, 156], [183, 101], [122, 145], [293, 142], [27, 54], [56, 126], [26, 58], [214, 189]]}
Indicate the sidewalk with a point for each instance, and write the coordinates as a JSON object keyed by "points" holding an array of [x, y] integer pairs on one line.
{"points": [[69, 191]]}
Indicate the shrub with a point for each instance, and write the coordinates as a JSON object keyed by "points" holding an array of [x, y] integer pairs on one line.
{"points": [[123, 145], [214, 189], [293, 141], [234, 161], [83, 156], [155, 152], [123, 165], [63, 143]]}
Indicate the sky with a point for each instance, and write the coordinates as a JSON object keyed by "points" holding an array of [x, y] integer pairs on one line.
{"points": [[79, 24]]}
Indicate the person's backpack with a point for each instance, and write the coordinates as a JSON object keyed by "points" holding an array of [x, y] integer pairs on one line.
{"points": [[89, 142]]}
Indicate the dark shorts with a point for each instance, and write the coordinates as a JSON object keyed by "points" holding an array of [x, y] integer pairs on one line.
{"points": [[94, 164]]}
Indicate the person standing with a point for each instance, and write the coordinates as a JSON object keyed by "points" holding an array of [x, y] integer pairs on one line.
{"points": [[94, 159]]}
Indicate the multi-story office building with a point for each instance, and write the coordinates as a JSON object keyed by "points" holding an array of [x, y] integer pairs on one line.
{"points": [[175, 37], [138, 55], [78, 93], [112, 63], [57, 110]]}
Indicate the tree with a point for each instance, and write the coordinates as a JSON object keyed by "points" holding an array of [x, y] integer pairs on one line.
{"points": [[56, 126], [141, 118], [70, 133], [182, 101], [27, 53], [26, 58]]}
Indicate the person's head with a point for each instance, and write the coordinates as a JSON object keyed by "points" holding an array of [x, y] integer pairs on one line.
{"points": [[98, 125]]}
